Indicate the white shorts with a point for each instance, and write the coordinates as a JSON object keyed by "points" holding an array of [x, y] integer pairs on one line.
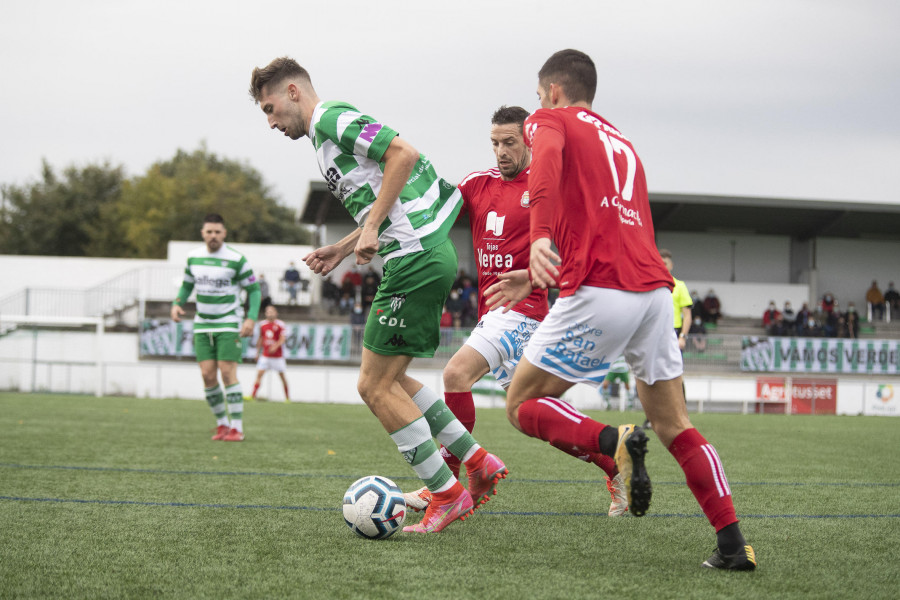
{"points": [[269, 363], [584, 333], [500, 338]]}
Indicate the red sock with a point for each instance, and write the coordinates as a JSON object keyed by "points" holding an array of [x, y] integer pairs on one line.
{"points": [[705, 477], [255, 389], [557, 422], [462, 405], [475, 458], [607, 463], [448, 495]]}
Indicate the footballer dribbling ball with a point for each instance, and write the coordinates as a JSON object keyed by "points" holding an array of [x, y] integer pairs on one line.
{"points": [[374, 507]]}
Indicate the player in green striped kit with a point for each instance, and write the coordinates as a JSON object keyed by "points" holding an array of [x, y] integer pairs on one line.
{"points": [[219, 273], [404, 212]]}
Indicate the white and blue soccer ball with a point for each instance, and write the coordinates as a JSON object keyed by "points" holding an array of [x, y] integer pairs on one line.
{"points": [[374, 507]]}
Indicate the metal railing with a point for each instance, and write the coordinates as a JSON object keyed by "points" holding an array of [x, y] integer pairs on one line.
{"points": [[129, 293]]}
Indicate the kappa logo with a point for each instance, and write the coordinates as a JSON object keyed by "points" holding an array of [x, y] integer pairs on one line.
{"points": [[494, 224], [396, 340], [397, 302], [525, 199]]}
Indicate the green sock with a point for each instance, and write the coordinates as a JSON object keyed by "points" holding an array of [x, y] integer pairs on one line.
{"points": [[444, 425], [415, 443], [234, 396], [216, 400]]}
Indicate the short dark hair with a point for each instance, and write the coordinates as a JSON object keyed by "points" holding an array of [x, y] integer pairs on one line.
{"points": [[510, 115], [574, 72], [665, 253], [213, 218], [274, 73]]}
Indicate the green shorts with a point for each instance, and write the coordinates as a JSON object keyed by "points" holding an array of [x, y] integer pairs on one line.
{"points": [[218, 345], [613, 377], [406, 313]]}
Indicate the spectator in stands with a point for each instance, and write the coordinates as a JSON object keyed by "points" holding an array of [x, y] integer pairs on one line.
{"points": [[446, 318], [346, 303], [697, 336], [875, 299], [827, 303], [291, 282], [331, 294], [830, 321], [368, 288], [468, 292], [713, 307], [352, 278], [455, 306], [770, 315], [892, 298], [810, 327], [790, 317], [778, 327], [358, 315], [264, 292], [802, 316], [848, 323], [697, 308]]}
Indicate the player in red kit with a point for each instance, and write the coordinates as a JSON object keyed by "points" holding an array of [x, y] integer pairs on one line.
{"points": [[589, 195], [269, 350], [497, 203]]}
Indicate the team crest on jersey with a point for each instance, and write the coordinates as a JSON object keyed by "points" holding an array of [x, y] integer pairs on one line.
{"points": [[524, 201], [397, 302]]}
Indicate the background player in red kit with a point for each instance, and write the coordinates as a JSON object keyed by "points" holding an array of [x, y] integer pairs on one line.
{"points": [[589, 195], [270, 350], [497, 203]]}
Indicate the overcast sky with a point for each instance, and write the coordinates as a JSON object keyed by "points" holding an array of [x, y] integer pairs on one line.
{"points": [[778, 98]]}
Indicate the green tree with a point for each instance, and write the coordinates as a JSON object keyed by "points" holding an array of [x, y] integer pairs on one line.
{"points": [[96, 211], [170, 201], [68, 215]]}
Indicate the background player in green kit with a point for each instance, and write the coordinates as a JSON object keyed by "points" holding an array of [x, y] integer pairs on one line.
{"points": [[404, 212], [219, 273]]}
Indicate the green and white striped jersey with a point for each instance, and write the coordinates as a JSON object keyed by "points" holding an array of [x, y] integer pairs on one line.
{"points": [[218, 278], [349, 148], [619, 366]]}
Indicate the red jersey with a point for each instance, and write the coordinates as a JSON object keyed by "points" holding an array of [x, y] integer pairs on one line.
{"points": [[269, 334], [499, 218], [589, 195]]}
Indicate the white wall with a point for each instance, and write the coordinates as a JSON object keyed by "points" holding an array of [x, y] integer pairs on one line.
{"points": [[708, 257], [19, 272], [124, 374]]}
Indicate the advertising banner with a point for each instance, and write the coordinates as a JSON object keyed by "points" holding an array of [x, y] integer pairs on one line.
{"points": [[805, 396], [820, 355], [305, 341], [882, 400]]}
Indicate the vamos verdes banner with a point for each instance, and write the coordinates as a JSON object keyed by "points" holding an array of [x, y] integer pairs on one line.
{"points": [[820, 355], [307, 341]]}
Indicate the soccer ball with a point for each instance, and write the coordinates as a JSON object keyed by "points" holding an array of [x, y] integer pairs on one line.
{"points": [[374, 507]]}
